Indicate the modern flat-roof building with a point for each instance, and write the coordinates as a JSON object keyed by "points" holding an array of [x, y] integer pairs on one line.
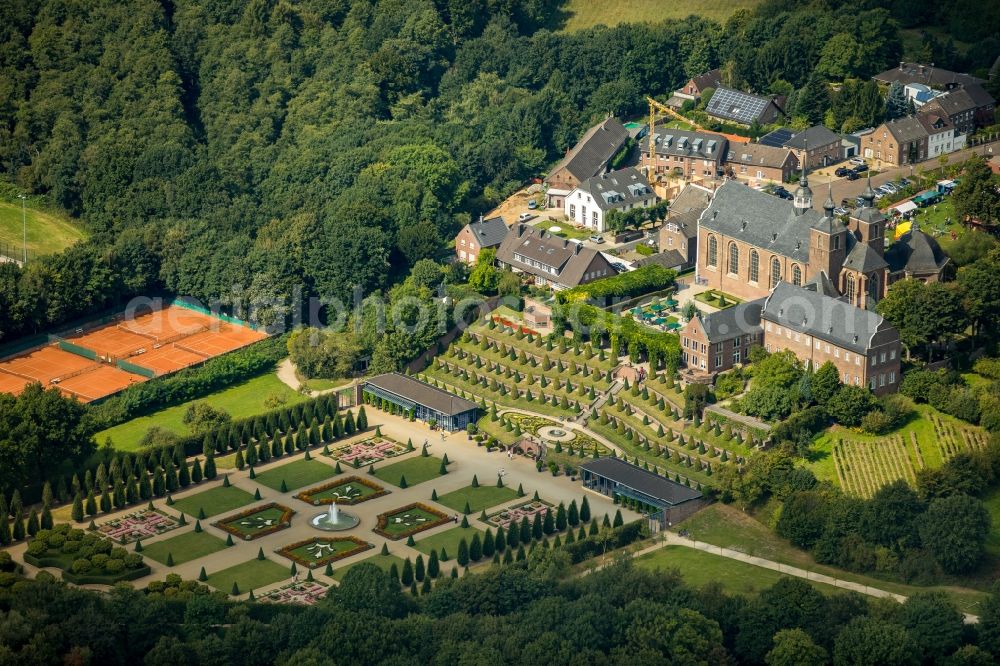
{"points": [[658, 496], [425, 402]]}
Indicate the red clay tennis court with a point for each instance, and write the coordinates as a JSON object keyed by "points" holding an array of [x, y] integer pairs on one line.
{"points": [[158, 343], [168, 358], [99, 382]]}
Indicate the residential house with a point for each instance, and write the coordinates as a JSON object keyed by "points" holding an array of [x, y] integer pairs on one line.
{"points": [[929, 75], [590, 202], [957, 106], [818, 328], [754, 161], [679, 232], [896, 142], [816, 147], [742, 107], [478, 236], [942, 137], [715, 342], [589, 157], [553, 261], [693, 89], [920, 94], [749, 241], [917, 256], [687, 153]]}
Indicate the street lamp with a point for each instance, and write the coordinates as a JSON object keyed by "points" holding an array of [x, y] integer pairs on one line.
{"points": [[24, 229]]}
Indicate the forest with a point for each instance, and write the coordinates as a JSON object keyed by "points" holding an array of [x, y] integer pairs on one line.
{"points": [[277, 150]]}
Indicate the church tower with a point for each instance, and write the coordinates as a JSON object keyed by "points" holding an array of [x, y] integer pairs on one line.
{"points": [[827, 242], [867, 223], [803, 195]]}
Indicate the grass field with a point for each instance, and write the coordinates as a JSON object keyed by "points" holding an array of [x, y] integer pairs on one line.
{"points": [[416, 470], [726, 526], [184, 547], [246, 399], [47, 232], [295, 474], [448, 540], [250, 575], [214, 501], [699, 568], [480, 498], [383, 562], [582, 14]]}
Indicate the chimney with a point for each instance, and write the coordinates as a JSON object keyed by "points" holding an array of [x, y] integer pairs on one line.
{"points": [[579, 246], [565, 243], [520, 230], [901, 65]]}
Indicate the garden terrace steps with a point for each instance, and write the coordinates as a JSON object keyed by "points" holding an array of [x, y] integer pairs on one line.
{"points": [[491, 365], [493, 336], [456, 384]]}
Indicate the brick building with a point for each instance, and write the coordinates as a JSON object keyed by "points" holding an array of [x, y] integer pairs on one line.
{"points": [[818, 328], [477, 236], [715, 342], [553, 261], [687, 153], [680, 230], [897, 142], [589, 157], [757, 162], [816, 147]]}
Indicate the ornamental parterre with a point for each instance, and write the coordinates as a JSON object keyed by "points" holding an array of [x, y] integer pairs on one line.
{"points": [[258, 521], [345, 491], [408, 520], [320, 551]]}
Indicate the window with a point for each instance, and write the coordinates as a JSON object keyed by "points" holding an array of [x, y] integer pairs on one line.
{"points": [[882, 359], [670, 242], [684, 341], [463, 242], [713, 252], [857, 360], [703, 348], [754, 266], [847, 356], [892, 377], [718, 361], [849, 288], [874, 360], [775, 272], [734, 259], [836, 352], [768, 326], [736, 356], [871, 384], [881, 379], [796, 276], [594, 218], [827, 349], [847, 378], [572, 210], [892, 355], [873, 287], [719, 347], [736, 341], [836, 242], [768, 348]]}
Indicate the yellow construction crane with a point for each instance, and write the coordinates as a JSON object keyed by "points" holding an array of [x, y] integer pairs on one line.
{"points": [[663, 108]]}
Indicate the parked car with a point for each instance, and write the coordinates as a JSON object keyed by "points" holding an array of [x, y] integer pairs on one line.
{"points": [[597, 239], [856, 160], [860, 201], [852, 175], [861, 168], [783, 193], [524, 217], [841, 172], [840, 211], [903, 182], [847, 203], [890, 187], [532, 204]]}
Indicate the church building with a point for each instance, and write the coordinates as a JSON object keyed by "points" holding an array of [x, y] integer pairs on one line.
{"points": [[749, 241]]}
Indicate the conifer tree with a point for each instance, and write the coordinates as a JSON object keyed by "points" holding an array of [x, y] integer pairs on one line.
{"points": [[500, 542], [418, 569], [406, 577], [573, 515], [475, 548], [463, 553], [488, 546], [561, 517], [585, 511], [77, 511]]}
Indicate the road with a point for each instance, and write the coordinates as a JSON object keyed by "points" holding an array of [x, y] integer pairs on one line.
{"points": [[849, 189]]}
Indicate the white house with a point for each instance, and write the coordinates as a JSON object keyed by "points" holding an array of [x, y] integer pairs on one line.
{"points": [[942, 138], [589, 203]]}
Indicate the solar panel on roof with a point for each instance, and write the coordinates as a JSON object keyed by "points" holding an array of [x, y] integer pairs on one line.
{"points": [[777, 138], [739, 106]]}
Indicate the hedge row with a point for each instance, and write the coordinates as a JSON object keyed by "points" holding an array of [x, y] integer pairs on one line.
{"points": [[625, 285]]}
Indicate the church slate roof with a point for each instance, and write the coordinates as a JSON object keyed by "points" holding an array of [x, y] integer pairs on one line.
{"points": [[830, 319], [863, 259], [760, 219], [733, 321], [917, 253]]}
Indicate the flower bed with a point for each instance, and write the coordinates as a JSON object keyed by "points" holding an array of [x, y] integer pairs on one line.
{"points": [[258, 521], [304, 592], [137, 525], [368, 451], [408, 520], [320, 551], [513, 514], [352, 490], [514, 326]]}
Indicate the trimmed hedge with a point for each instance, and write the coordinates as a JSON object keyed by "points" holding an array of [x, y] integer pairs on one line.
{"points": [[625, 285], [585, 549]]}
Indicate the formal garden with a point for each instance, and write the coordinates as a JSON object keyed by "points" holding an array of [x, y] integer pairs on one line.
{"points": [[349, 490], [136, 525], [367, 451], [84, 556], [409, 520], [515, 513], [320, 551], [303, 593], [258, 521]]}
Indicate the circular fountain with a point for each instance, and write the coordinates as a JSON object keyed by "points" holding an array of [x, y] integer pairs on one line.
{"points": [[334, 520]]}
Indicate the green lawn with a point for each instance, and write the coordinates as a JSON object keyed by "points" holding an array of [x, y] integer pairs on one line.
{"points": [[483, 497], [712, 298], [383, 562], [582, 14], [416, 470], [47, 232], [248, 398], [296, 474], [213, 501], [726, 526], [184, 547], [448, 540], [566, 229], [250, 575], [699, 568]]}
